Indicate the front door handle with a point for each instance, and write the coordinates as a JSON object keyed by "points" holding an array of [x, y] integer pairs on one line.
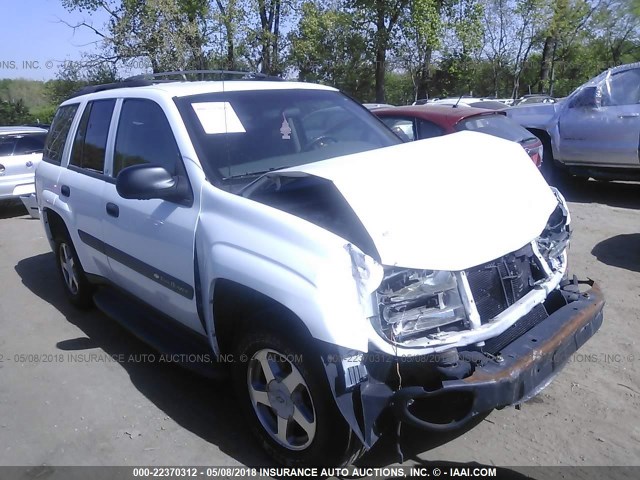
{"points": [[113, 210], [65, 191], [629, 115]]}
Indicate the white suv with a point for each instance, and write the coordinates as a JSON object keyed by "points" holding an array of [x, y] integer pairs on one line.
{"points": [[281, 231]]}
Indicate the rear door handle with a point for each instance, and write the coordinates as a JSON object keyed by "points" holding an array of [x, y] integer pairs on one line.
{"points": [[629, 115], [65, 191], [113, 210]]}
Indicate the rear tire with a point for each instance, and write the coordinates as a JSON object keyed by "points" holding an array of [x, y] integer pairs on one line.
{"points": [[76, 286], [285, 396]]}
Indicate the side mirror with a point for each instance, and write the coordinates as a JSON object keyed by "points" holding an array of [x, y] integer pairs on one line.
{"points": [[146, 181]]}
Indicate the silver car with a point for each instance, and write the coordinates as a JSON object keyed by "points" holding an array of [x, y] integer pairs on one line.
{"points": [[595, 131], [20, 152]]}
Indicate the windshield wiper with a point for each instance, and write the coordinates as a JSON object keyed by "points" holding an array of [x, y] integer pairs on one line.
{"points": [[255, 174]]}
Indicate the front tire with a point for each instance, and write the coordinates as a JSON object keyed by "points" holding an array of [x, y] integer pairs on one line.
{"points": [[285, 396], [76, 286]]}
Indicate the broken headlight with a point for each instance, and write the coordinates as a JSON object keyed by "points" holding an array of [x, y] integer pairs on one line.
{"points": [[554, 239], [419, 303]]}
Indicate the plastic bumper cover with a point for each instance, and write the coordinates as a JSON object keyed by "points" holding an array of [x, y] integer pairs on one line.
{"points": [[527, 365]]}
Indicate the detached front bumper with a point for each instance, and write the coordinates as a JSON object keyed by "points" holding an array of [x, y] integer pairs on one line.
{"points": [[522, 370]]}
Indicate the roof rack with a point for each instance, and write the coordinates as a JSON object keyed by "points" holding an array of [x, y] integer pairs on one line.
{"points": [[110, 86], [146, 79], [199, 75]]}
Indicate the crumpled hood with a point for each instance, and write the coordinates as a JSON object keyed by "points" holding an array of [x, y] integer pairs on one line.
{"points": [[447, 203]]}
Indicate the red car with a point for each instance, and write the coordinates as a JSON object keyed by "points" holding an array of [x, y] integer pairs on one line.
{"points": [[417, 122]]}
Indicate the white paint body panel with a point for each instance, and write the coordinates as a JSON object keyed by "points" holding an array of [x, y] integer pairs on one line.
{"points": [[446, 203], [18, 174]]}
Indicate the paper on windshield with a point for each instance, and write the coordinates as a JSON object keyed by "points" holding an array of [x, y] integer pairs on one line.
{"points": [[218, 117]]}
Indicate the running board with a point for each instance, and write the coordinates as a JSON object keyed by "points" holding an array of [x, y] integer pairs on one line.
{"points": [[175, 342]]}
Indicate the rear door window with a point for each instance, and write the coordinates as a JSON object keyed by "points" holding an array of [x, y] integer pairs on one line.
{"points": [[90, 143]]}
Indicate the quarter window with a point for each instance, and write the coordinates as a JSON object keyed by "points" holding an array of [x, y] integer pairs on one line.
{"points": [[90, 143], [144, 136], [57, 138]]}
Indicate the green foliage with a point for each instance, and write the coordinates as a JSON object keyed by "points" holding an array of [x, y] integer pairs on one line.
{"points": [[44, 114], [31, 92], [399, 88], [371, 49], [32, 101], [14, 113], [328, 47]]}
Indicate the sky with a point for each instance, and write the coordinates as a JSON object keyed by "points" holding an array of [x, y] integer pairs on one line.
{"points": [[34, 42]]}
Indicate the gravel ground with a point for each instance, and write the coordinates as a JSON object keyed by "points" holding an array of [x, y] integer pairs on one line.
{"points": [[66, 401]]}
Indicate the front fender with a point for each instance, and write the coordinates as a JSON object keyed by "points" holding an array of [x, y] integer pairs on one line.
{"points": [[297, 264]]}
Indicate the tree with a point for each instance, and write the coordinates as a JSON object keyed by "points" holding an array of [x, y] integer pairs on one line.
{"points": [[14, 113], [169, 34], [72, 76], [615, 28], [383, 16], [330, 46], [31, 92], [512, 30], [227, 18], [462, 38], [567, 21], [268, 35], [422, 25]]}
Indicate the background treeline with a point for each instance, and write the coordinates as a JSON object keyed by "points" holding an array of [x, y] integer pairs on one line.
{"points": [[393, 51]]}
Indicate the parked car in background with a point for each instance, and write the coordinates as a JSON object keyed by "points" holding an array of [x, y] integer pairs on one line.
{"points": [[488, 103], [594, 132], [374, 106], [20, 152], [534, 98], [426, 121]]}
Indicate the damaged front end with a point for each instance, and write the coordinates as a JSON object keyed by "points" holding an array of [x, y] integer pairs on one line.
{"points": [[451, 345]]}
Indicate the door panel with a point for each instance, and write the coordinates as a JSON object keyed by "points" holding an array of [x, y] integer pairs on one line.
{"points": [[150, 243], [82, 183], [608, 132]]}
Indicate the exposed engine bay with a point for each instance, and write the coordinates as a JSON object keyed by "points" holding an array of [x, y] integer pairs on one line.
{"points": [[426, 303]]}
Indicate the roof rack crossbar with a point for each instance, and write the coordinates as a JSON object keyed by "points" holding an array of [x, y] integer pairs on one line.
{"points": [[146, 79], [202, 74]]}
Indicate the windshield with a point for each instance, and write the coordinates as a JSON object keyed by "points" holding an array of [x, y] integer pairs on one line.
{"points": [[497, 125], [243, 134]]}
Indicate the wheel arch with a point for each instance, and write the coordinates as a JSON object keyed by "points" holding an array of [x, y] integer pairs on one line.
{"points": [[235, 309], [54, 224], [545, 138]]}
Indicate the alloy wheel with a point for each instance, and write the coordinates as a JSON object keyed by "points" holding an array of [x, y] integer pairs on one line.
{"points": [[281, 399]]}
